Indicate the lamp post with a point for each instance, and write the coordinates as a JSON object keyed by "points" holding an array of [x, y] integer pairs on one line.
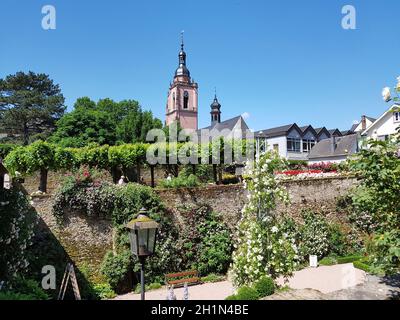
{"points": [[142, 236]]}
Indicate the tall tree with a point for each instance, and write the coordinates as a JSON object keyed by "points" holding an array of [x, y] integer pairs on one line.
{"points": [[30, 103], [104, 122]]}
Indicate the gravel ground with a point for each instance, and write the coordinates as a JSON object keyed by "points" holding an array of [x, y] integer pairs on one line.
{"points": [[309, 283]]}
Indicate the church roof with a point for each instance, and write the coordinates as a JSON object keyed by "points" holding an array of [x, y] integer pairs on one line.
{"points": [[236, 123]]}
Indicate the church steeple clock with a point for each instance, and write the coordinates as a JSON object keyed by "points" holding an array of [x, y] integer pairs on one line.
{"points": [[182, 102]]}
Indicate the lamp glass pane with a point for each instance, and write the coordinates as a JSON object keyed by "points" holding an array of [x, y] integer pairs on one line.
{"points": [[133, 241], [143, 249], [151, 240]]}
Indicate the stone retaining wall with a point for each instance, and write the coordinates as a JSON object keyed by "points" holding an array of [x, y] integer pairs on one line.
{"points": [[86, 239]]}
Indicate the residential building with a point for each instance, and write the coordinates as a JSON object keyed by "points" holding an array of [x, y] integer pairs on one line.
{"points": [[291, 141], [385, 126], [334, 150]]}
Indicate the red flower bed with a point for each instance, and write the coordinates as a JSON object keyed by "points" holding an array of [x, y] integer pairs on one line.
{"points": [[297, 172]]}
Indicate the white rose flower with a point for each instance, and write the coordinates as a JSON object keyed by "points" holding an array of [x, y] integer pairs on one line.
{"points": [[274, 229], [386, 94]]}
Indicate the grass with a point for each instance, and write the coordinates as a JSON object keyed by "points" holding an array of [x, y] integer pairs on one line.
{"points": [[331, 260], [213, 278], [151, 286]]}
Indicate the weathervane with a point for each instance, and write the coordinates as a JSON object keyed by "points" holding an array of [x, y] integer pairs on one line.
{"points": [[182, 38]]}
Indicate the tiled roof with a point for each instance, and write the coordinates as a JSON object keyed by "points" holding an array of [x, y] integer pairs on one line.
{"points": [[344, 146]]}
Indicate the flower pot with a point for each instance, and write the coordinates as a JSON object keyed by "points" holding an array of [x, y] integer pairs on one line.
{"points": [[313, 261]]}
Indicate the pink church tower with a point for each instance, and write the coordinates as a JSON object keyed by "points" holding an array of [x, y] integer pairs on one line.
{"points": [[182, 103]]}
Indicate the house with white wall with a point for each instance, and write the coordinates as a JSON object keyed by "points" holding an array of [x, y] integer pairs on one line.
{"points": [[385, 126], [291, 141]]}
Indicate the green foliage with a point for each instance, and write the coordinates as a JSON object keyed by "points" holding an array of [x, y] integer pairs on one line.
{"points": [[30, 103], [212, 277], [27, 160], [104, 291], [332, 260], [264, 247], [337, 240], [246, 293], [385, 252], [204, 241], [181, 182], [265, 286], [104, 122], [203, 172], [328, 261], [230, 179], [17, 222], [6, 148], [231, 297], [28, 287], [362, 266], [116, 267], [314, 235], [376, 203], [297, 164], [149, 287], [379, 168]]}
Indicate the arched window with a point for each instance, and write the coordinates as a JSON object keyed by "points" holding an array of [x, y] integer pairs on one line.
{"points": [[173, 101], [185, 100]]}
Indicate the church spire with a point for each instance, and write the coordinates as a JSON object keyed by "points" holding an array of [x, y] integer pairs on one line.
{"points": [[215, 110], [182, 69]]}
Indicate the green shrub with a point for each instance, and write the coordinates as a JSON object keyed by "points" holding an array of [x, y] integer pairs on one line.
{"points": [[203, 172], [327, 261], [337, 240], [297, 164], [246, 293], [104, 291], [116, 268], [362, 266], [314, 235], [212, 277], [204, 241], [385, 252], [149, 287], [231, 297], [6, 148], [181, 181], [230, 179], [29, 287], [17, 223], [348, 259], [264, 287], [9, 295]]}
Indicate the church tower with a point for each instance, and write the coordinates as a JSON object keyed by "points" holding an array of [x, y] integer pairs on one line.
{"points": [[182, 102], [215, 111]]}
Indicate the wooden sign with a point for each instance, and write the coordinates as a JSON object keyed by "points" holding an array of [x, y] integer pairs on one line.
{"points": [[69, 274]]}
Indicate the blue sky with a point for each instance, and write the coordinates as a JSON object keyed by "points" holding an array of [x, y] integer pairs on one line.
{"points": [[279, 61]]}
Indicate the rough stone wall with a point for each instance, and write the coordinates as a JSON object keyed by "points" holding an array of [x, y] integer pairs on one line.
{"points": [[317, 194], [86, 239]]}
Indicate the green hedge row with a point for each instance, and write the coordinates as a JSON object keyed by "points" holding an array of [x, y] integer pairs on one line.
{"points": [[43, 156]]}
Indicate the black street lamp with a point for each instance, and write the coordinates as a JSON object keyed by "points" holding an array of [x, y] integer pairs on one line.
{"points": [[142, 236]]}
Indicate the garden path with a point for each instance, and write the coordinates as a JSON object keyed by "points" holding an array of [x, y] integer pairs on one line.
{"points": [[325, 279]]}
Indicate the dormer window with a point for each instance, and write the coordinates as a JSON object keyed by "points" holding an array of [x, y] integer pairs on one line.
{"points": [[396, 116], [185, 100]]}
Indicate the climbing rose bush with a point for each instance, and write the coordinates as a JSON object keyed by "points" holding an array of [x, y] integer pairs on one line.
{"points": [[263, 247], [17, 222]]}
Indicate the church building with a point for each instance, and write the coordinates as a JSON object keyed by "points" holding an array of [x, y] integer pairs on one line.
{"points": [[182, 103]]}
